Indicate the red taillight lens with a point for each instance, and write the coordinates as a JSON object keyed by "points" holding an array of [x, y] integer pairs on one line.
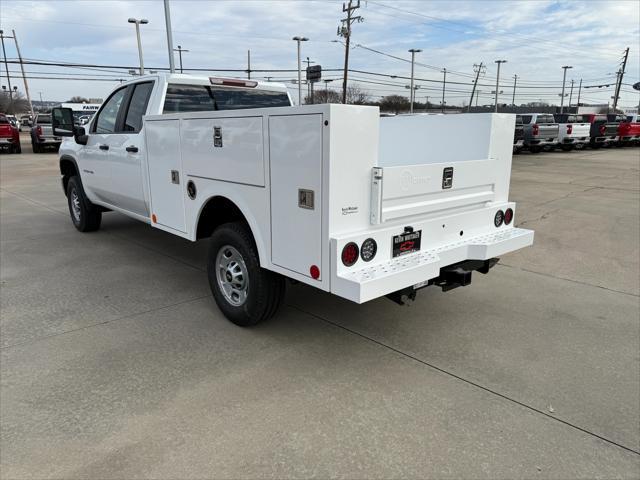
{"points": [[350, 254], [569, 129], [536, 129], [39, 131], [602, 129], [508, 216]]}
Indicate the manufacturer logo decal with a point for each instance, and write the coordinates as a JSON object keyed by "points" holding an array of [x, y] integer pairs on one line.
{"points": [[408, 179]]}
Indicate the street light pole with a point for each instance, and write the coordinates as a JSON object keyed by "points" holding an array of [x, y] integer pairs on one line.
{"points": [[564, 79], [444, 85], [142, 21], [413, 58], [299, 39], [499, 62], [167, 21], [6, 66], [513, 99]]}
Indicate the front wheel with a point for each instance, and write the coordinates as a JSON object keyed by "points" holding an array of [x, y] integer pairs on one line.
{"points": [[86, 216], [245, 293]]}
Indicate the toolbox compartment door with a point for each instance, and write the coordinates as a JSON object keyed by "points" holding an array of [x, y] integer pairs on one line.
{"points": [[164, 165], [295, 152]]}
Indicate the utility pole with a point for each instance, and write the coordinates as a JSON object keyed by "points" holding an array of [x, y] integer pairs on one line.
{"points": [[249, 64], [477, 96], [564, 79], [570, 95], [579, 92], [478, 69], [413, 59], [444, 85], [616, 96], [499, 62], [299, 39], [167, 20], [345, 31], [513, 99], [6, 66], [180, 50], [426, 105], [24, 77]]}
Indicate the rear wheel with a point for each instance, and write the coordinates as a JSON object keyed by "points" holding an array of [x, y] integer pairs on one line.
{"points": [[35, 147], [86, 216], [17, 148], [245, 293], [567, 148], [535, 149]]}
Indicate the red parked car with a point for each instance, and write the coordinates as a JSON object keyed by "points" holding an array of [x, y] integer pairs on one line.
{"points": [[629, 130], [9, 135]]}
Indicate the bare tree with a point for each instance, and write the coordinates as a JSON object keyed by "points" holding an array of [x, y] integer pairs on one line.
{"points": [[77, 99], [17, 103], [324, 96], [394, 103], [357, 95]]}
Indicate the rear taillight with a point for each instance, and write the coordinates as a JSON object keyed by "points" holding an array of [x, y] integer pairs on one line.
{"points": [[536, 129], [569, 129], [499, 218], [368, 249], [39, 130], [602, 129], [350, 254], [508, 216]]}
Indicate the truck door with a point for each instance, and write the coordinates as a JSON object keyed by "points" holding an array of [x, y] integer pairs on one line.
{"points": [[94, 157], [126, 150]]}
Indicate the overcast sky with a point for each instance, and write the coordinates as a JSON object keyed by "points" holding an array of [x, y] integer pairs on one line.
{"points": [[535, 37]]}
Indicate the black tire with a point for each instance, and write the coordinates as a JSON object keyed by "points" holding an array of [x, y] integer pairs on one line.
{"points": [[35, 147], [263, 290], [86, 216], [567, 148], [535, 149], [18, 148]]}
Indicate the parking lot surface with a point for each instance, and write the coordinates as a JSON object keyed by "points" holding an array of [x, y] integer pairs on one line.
{"points": [[116, 363]]}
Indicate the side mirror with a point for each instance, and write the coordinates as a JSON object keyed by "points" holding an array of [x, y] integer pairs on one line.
{"points": [[62, 122], [81, 136]]}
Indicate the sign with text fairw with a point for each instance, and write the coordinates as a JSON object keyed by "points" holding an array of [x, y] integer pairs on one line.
{"points": [[314, 73]]}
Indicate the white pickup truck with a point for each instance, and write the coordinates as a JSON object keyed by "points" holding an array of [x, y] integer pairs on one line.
{"points": [[332, 196], [572, 131]]}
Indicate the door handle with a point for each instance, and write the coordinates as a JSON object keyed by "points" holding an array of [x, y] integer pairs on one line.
{"points": [[104, 147], [132, 149]]}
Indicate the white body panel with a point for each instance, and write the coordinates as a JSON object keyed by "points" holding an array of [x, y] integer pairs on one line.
{"points": [[266, 157], [580, 133]]}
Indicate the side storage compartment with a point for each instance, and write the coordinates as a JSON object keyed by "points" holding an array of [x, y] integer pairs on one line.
{"points": [[165, 174], [296, 191]]}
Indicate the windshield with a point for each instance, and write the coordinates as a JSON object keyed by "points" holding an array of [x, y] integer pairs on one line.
{"points": [[203, 98], [44, 119]]}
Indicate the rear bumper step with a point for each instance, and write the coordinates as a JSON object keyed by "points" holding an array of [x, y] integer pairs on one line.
{"points": [[448, 266]]}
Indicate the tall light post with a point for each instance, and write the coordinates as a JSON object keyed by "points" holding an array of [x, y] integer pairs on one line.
{"points": [[444, 87], [499, 62], [299, 39], [564, 79], [142, 21], [413, 58]]}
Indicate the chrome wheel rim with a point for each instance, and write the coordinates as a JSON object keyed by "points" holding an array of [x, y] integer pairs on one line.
{"points": [[75, 205], [232, 275]]}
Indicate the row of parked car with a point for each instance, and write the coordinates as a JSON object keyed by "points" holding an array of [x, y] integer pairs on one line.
{"points": [[545, 131], [41, 134]]}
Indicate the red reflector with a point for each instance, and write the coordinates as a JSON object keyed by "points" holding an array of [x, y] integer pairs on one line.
{"points": [[569, 129], [535, 129], [602, 129], [315, 272], [350, 254], [231, 82], [508, 216]]}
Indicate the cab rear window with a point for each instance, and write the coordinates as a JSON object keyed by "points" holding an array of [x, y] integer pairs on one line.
{"points": [[43, 119], [203, 98], [545, 119]]}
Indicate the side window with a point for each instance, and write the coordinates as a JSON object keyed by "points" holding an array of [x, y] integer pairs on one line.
{"points": [[137, 107], [107, 117], [526, 119], [189, 98]]}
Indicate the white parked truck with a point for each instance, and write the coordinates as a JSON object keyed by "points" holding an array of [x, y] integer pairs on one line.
{"points": [[572, 131], [332, 196]]}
